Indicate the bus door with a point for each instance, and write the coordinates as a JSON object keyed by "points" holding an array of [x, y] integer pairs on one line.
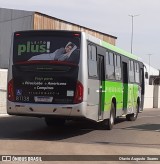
{"points": [[132, 91], [125, 85], [95, 81], [142, 87], [101, 75]]}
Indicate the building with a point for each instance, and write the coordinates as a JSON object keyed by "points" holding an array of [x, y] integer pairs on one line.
{"points": [[17, 20]]}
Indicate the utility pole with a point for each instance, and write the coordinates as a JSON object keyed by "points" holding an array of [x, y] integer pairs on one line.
{"points": [[149, 55], [132, 16]]}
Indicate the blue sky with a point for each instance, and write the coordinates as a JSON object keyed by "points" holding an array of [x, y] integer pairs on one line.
{"points": [[108, 16]]}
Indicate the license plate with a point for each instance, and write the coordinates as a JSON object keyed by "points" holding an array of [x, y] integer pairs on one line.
{"points": [[43, 99]]}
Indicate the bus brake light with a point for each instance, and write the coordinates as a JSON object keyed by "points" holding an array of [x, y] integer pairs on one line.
{"points": [[11, 96], [17, 34], [78, 98], [76, 34]]}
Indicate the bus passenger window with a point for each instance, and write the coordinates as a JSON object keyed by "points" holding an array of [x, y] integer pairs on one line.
{"points": [[131, 71], [92, 61], [111, 61], [137, 73], [89, 52], [94, 53], [110, 73], [107, 58], [118, 74]]}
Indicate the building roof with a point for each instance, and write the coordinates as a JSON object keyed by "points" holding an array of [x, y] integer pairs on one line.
{"points": [[75, 24]]}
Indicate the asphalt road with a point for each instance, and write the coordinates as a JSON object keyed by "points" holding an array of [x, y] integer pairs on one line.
{"points": [[27, 135]]}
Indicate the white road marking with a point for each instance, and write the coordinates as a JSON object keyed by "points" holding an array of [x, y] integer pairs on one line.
{"points": [[148, 116]]}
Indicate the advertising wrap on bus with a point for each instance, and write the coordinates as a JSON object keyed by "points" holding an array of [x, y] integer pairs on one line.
{"points": [[45, 68]]}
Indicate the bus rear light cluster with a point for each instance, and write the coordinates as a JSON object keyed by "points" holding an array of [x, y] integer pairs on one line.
{"points": [[11, 96], [78, 97]]}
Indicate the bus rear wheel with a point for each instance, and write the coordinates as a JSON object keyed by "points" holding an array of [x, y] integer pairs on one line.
{"points": [[133, 116], [109, 123], [50, 122]]}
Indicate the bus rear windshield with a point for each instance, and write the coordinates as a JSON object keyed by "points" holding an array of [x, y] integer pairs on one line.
{"points": [[45, 67], [52, 46]]}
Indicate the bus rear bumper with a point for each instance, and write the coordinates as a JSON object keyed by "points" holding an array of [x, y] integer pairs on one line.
{"points": [[40, 110]]}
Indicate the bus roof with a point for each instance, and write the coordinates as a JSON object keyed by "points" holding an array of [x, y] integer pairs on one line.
{"points": [[118, 50]]}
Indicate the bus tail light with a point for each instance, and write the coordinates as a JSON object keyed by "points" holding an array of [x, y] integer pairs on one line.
{"points": [[11, 96], [78, 97]]}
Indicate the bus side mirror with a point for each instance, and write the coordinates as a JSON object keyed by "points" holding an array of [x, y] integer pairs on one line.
{"points": [[146, 75]]}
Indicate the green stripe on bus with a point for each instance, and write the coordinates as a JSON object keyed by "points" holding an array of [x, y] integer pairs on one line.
{"points": [[110, 90], [116, 90]]}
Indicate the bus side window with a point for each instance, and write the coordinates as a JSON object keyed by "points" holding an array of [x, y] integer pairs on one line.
{"points": [[137, 80], [92, 61], [118, 67], [131, 71], [110, 72]]}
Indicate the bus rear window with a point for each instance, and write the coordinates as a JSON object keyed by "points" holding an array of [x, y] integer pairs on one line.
{"points": [[51, 47]]}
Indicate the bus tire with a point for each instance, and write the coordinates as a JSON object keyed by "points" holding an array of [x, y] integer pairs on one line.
{"points": [[133, 116], [109, 123], [50, 122]]}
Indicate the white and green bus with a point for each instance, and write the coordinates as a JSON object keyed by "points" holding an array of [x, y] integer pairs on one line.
{"points": [[61, 75]]}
